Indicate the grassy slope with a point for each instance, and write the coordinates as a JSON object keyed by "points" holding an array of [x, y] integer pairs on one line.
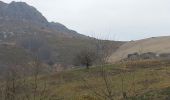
{"points": [[155, 44], [147, 83], [142, 80]]}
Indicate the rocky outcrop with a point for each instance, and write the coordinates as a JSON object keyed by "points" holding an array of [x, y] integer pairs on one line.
{"points": [[20, 15]]}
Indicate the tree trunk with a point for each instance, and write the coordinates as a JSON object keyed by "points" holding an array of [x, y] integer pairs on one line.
{"points": [[87, 66]]}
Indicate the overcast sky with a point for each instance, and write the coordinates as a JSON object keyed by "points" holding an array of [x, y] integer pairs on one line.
{"points": [[109, 19]]}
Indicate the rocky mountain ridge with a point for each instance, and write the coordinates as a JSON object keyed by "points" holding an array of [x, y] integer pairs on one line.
{"points": [[17, 14]]}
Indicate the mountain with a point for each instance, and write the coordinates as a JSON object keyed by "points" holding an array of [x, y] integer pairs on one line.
{"points": [[23, 26], [157, 45], [19, 13]]}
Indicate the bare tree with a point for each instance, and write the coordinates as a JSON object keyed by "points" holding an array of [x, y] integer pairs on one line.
{"points": [[86, 58], [106, 92]]}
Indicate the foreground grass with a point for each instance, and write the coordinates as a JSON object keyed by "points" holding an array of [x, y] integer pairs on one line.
{"points": [[150, 82], [82, 84]]}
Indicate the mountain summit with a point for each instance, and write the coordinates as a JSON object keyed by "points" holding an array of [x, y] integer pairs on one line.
{"points": [[21, 15], [21, 11]]}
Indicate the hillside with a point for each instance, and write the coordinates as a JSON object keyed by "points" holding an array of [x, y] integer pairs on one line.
{"points": [[25, 27], [154, 44], [141, 81]]}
